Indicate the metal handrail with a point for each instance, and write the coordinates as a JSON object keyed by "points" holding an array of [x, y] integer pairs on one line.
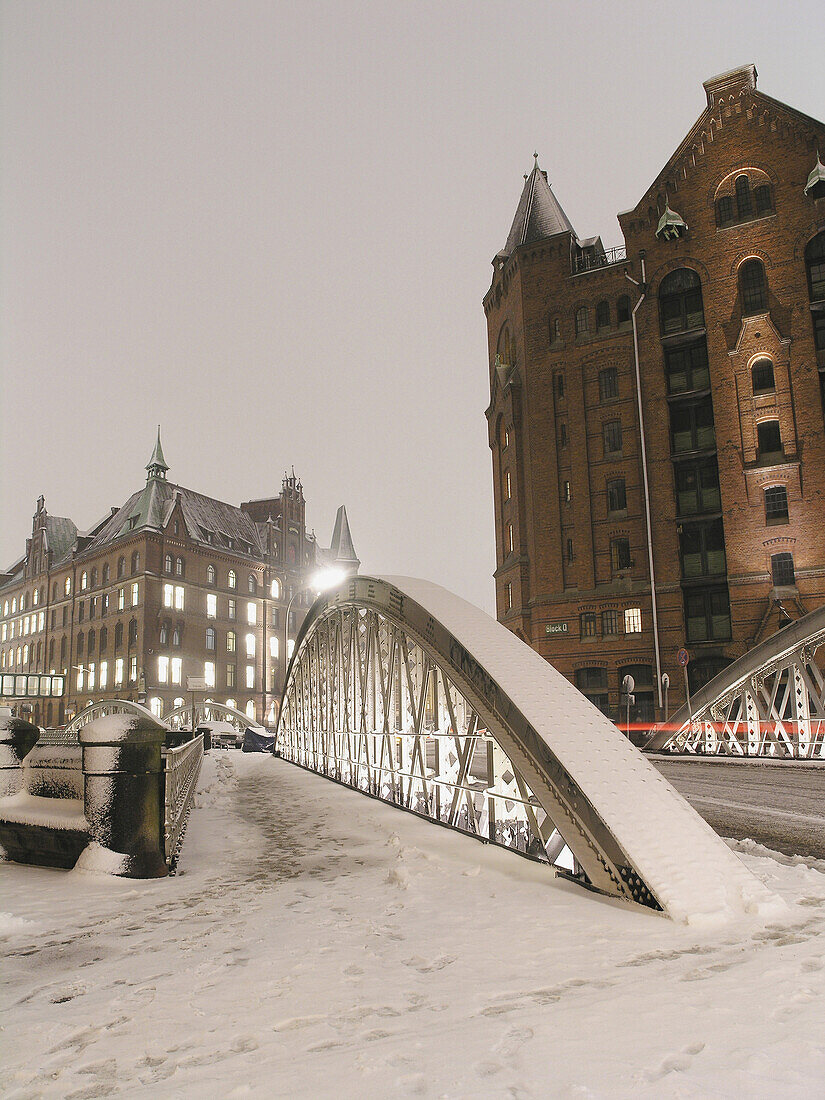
{"points": [[592, 261], [182, 767]]}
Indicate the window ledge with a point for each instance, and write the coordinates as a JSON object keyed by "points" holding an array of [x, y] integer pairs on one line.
{"points": [[683, 335], [749, 220]]}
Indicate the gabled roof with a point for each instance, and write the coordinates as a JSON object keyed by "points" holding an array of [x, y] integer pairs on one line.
{"points": [[61, 535], [152, 508], [538, 214]]}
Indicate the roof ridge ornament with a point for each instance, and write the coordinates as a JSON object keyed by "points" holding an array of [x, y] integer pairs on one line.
{"points": [[671, 225], [815, 187]]}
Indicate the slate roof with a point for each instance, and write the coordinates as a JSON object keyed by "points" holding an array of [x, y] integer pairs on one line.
{"points": [[153, 506], [61, 535], [538, 214], [342, 549]]}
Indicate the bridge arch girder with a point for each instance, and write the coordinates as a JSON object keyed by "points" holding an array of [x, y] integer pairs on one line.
{"points": [[396, 686]]}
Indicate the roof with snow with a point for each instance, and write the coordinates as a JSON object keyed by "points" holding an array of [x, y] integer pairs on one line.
{"points": [[539, 214]]}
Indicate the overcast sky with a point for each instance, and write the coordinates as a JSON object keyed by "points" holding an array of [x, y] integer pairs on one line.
{"points": [[269, 226]]}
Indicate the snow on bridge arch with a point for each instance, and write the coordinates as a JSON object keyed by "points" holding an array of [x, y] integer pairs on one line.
{"points": [[403, 690]]}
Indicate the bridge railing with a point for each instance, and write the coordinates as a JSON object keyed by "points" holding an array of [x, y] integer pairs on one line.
{"points": [[182, 767], [770, 702]]}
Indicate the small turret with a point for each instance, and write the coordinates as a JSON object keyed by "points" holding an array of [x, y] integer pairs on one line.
{"points": [[157, 466]]}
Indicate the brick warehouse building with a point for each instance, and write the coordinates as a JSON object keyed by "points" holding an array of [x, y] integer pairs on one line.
{"points": [[699, 347], [172, 584]]}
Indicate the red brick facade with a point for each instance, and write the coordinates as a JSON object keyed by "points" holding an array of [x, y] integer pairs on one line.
{"points": [[728, 220]]}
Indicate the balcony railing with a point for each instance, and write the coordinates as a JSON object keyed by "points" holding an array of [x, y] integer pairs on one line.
{"points": [[590, 260]]}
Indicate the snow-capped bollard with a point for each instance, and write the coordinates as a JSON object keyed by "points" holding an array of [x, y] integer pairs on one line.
{"points": [[17, 738], [123, 796]]}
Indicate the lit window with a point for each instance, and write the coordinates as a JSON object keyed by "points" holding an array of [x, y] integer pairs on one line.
{"points": [[209, 673], [507, 485], [290, 648], [509, 538], [41, 620], [250, 645], [252, 583], [133, 670], [211, 638], [230, 678], [167, 564], [178, 567], [91, 679], [275, 589], [250, 676], [135, 594], [4, 632], [79, 674], [232, 611], [633, 620], [179, 597], [163, 670], [566, 492], [156, 706], [67, 587], [84, 580], [508, 596], [273, 648], [230, 641], [232, 580], [211, 605], [252, 613], [211, 576], [230, 703], [177, 669], [36, 597], [14, 605], [121, 598], [118, 671], [250, 709]]}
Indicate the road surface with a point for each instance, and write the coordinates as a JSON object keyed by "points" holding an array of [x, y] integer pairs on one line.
{"points": [[779, 805]]}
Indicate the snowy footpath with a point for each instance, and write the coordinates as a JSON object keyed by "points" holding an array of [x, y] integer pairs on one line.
{"points": [[316, 943]]}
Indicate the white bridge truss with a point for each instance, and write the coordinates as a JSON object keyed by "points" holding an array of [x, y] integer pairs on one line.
{"points": [[384, 695], [68, 734], [771, 702], [207, 711]]}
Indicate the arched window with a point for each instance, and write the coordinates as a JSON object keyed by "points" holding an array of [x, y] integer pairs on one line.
{"points": [[232, 580], [230, 641], [211, 575], [67, 585], [36, 597], [54, 593], [121, 566], [104, 639], [179, 567], [135, 561], [815, 268], [164, 634], [275, 589], [252, 583], [592, 683], [118, 635], [725, 213], [156, 706], [504, 348], [176, 633], [782, 570], [680, 302], [51, 651], [623, 309], [553, 329], [63, 647], [602, 315], [753, 287], [84, 581], [133, 631], [211, 638], [167, 564], [744, 204], [93, 578], [91, 642], [582, 323], [80, 641], [106, 573], [763, 197], [769, 439], [762, 376]]}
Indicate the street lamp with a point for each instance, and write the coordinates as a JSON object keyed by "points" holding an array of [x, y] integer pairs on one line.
{"points": [[322, 581]]}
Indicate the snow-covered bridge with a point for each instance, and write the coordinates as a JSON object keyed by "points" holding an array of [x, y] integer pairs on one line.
{"points": [[405, 692]]}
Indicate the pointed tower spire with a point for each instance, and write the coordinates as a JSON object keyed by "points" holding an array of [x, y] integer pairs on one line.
{"points": [[539, 214], [342, 550], [157, 465]]}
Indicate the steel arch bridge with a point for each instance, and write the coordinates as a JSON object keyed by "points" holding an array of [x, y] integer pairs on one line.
{"points": [[770, 702], [207, 711], [405, 692], [102, 708]]}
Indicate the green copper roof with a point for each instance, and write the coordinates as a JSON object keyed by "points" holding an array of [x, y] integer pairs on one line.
{"points": [[157, 465], [671, 225]]}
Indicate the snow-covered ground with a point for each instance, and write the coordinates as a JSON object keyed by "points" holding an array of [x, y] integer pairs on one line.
{"points": [[317, 943]]}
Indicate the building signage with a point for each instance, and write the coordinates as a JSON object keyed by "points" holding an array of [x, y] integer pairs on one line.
{"points": [[196, 683], [21, 686], [555, 628]]}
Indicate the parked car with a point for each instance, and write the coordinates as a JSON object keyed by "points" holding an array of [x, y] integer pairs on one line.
{"points": [[223, 735]]}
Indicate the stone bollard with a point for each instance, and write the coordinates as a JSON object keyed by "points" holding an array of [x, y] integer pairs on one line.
{"points": [[123, 796], [17, 738]]}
